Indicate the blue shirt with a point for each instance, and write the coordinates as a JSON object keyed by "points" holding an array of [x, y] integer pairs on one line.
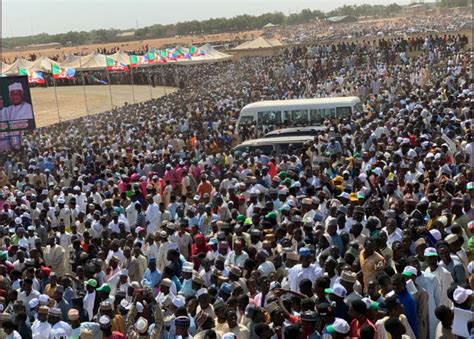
{"points": [[187, 288], [409, 306], [176, 282], [151, 279], [337, 241]]}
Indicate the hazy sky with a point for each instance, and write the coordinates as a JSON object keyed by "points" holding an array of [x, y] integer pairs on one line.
{"points": [[27, 17]]}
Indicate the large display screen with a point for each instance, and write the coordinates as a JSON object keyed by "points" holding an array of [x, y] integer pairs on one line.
{"points": [[16, 109]]}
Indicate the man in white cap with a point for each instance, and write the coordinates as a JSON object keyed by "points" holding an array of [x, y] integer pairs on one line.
{"points": [[463, 297], [339, 328], [442, 274], [19, 109], [54, 318], [139, 329], [204, 302], [41, 327], [428, 282], [106, 328], [421, 298]]}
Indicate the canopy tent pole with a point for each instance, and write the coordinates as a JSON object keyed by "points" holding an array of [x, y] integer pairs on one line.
{"points": [[84, 86], [149, 83], [56, 96], [131, 76], [110, 88]]}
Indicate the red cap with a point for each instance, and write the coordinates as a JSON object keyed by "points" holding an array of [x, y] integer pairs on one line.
{"points": [[46, 270]]}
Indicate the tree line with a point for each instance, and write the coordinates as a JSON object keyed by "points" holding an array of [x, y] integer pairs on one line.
{"points": [[215, 25]]}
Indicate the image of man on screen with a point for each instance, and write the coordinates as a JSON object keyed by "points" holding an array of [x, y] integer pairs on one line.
{"points": [[18, 109], [2, 108]]}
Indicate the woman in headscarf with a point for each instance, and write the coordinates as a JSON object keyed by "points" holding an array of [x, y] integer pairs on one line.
{"points": [[200, 246]]}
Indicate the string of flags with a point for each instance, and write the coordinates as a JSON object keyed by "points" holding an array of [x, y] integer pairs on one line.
{"points": [[153, 56], [33, 76]]}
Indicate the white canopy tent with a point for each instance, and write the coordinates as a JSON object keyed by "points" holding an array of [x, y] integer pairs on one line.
{"points": [[4, 67], [94, 61], [257, 43], [97, 61], [72, 61], [210, 55], [43, 64], [19, 63], [121, 57]]}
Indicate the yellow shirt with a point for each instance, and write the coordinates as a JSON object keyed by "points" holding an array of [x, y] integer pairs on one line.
{"points": [[49, 291], [370, 266]]}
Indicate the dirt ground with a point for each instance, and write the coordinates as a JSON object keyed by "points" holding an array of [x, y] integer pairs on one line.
{"points": [[72, 102], [11, 55], [132, 45]]}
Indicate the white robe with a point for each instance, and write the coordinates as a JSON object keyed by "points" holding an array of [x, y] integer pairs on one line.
{"points": [[18, 112], [89, 300], [55, 257], [153, 216], [298, 273], [40, 330], [445, 280], [429, 282]]}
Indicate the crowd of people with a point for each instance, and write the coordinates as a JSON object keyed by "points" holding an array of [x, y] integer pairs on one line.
{"points": [[142, 223], [323, 30]]}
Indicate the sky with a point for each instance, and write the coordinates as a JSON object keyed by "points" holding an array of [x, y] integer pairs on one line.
{"points": [[27, 17]]}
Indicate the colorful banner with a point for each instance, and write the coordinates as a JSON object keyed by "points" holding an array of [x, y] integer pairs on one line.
{"points": [[115, 65], [63, 73], [33, 77]]}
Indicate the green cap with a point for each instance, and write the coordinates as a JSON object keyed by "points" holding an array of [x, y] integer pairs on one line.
{"points": [[104, 288], [271, 215], [248, 221], [470, 185], [91, 282], [287, 182], [240, 218], [3, 255], [374, 306], [282, 174], [330, 329], [470, 243], [328, 290]]}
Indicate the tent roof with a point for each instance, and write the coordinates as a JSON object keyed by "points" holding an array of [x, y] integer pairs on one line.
{"points": [[121, 57], [337, 19], [269, 25], [72, 61], [260, 42], [211, 51], [19, 63], [43, 64], [4, 67], [94, 61], [211, 55]]}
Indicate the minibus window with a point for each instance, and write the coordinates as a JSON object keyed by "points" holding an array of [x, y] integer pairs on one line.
{"points": [[299, 117], [269, 118], [343, 112]]}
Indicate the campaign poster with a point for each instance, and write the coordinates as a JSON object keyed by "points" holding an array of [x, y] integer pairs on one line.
{"points": [[10, 141], [16, 109]]}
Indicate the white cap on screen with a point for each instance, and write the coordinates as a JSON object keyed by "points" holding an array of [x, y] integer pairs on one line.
{"points": [[16, 86]]}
